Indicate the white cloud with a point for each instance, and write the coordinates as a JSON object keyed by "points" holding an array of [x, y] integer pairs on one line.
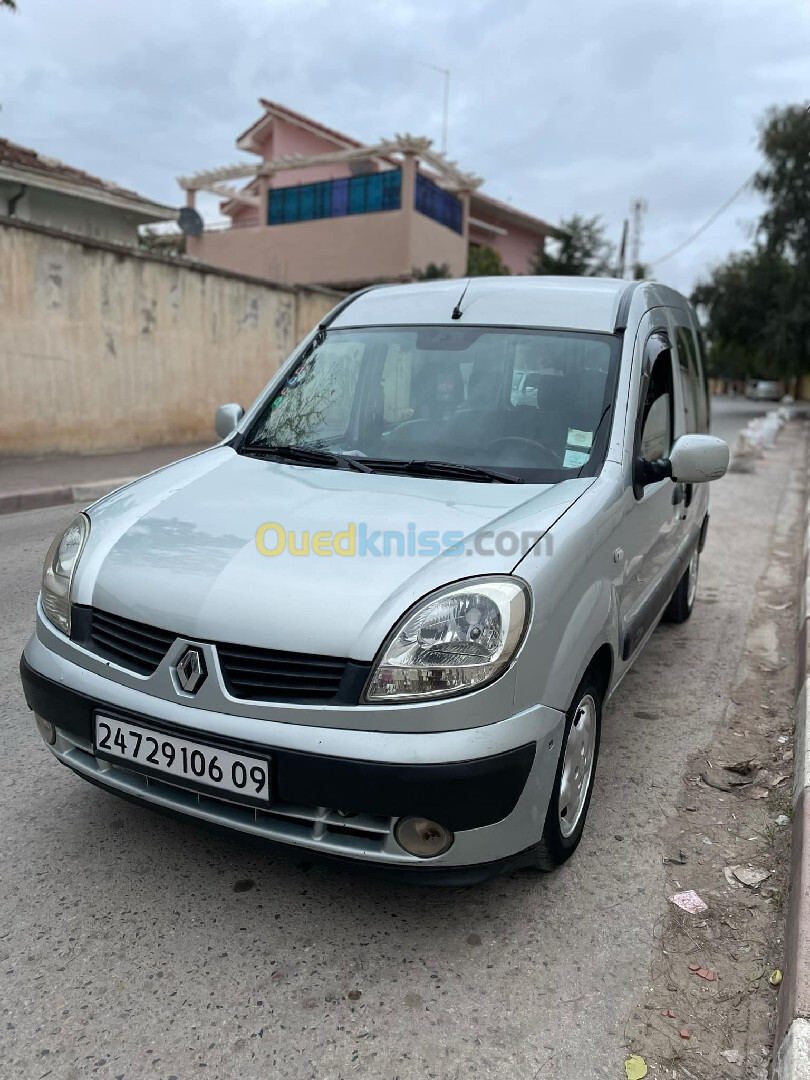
{"points": [[562, 108]]}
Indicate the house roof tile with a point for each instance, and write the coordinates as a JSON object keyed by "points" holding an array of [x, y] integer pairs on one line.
{"points": [[274, 108], [22, 157]]}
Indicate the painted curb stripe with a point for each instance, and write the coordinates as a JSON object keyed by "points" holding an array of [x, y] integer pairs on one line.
{"points": [[39, 498], [792, 1061]]}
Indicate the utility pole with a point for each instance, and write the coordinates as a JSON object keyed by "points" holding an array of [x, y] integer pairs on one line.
{"points": [[446, 101], [622, 260], [638, 208]]}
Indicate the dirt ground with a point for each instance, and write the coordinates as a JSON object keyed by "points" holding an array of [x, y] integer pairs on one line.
{"points": [[709, 1010]]}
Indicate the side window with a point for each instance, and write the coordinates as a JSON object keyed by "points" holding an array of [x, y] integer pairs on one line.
{"points": [[396, 385], [656, 416], [690, 381]]}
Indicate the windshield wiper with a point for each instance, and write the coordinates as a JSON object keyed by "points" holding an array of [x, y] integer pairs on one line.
{"points": [[449, 469], [307, 455]]}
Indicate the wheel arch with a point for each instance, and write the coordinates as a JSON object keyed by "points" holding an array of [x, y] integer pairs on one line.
{"points": [[601, 666], [586, 633]]}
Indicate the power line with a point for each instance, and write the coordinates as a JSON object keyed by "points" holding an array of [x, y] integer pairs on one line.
{"points": [[706, 224]]}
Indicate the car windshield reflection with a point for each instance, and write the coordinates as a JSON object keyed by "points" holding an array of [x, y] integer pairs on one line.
{"points": [[529, 405]]}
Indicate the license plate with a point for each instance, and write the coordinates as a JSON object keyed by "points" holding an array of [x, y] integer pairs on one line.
{"points": [[188, 763]]}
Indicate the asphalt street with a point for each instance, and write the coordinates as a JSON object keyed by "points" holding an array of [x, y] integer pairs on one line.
{"points": [[136, 947]]}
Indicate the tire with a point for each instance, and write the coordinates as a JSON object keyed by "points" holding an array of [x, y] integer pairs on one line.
{"points": [[680, 606], [565, 820]]}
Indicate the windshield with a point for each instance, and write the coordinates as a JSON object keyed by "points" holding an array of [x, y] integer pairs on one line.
{"points": [[534, 404]]}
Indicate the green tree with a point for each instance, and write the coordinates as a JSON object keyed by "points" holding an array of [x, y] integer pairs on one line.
{"points": [[747, 327], [10, 4], [784, 180], [583, 251], [757, 304], [431, 272], [484, 261]]}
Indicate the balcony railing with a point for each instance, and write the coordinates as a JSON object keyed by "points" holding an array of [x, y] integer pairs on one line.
{"points": [[434, 202], [362, 194]]}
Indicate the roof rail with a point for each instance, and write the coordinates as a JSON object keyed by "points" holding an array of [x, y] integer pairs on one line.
{"points": [[623, 310]]}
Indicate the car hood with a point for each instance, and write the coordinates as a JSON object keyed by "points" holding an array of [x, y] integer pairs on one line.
{"points": [[178, 549]]}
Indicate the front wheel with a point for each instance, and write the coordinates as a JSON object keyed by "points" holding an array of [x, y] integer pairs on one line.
{"points": [[573, 783], [683, 599]]}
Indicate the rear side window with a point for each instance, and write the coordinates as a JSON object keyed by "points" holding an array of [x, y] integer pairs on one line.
{"points": [[693, 399]]}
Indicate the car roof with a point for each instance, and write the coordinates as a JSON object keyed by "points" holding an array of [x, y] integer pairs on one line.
{"points": [[582, 303]]}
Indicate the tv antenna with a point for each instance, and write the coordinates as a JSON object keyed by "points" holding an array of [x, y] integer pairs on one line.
{"points": [[446, 102]]}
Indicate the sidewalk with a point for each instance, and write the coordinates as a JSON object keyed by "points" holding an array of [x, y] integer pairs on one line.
{"points": [[27, 483]]}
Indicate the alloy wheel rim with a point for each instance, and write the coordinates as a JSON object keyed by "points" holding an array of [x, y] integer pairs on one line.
{"points": [[691, 591], [578, 761]]}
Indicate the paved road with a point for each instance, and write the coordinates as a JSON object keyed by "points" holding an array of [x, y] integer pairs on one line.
{"points": [[126, 952], [731, 414]]}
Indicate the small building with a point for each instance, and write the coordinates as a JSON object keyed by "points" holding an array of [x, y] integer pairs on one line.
{"points": [[319, 207], [45, 191]]}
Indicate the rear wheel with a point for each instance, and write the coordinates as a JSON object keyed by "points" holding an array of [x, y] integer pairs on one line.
{"points": [[683, 599], [573, 783]]}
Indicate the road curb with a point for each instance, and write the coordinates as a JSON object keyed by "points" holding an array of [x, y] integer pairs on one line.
{"points": [[38, 498], [792, 1058]]}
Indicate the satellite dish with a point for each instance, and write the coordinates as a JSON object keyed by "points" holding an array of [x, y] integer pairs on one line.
{"points": [[190, 221]]}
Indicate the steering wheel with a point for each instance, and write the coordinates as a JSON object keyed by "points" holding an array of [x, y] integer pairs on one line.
{"points": [[526, 449]]}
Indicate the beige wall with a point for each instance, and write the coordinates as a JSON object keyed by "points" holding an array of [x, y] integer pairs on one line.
{"points": [[106, 349], [434, 243], [85, 216], [384, 246]]}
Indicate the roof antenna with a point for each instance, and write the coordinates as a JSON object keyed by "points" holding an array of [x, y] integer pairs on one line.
{"points": [[456, 313]]}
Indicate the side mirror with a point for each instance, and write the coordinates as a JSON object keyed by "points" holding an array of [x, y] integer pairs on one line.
{"points": [[696, 459], [226, 419]]}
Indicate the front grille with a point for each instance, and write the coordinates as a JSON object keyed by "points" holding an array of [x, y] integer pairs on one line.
{"points": [[249, 673], [315, 827], [131, 644], [267, 675]]}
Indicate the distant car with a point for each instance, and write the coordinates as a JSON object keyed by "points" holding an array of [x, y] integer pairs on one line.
{"points": [[763, 390], [218, 639]]}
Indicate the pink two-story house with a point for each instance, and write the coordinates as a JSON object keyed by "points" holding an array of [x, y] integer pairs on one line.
{"points": [[318, 207]]}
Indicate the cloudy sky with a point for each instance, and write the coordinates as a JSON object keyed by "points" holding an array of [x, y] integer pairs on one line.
{"points": [[561, 107]]}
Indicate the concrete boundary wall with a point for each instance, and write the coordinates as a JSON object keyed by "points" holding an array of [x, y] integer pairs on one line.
{"points": [[109, 348]]}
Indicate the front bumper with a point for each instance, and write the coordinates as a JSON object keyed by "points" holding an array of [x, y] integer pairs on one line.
{"points": [[336, 792]]}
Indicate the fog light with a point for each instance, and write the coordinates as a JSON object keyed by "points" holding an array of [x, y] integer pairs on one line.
{"points": [[422, 838], [46, 730]]}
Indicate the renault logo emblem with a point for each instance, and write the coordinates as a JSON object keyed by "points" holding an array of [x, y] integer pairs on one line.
{"points": [[191, 670]]}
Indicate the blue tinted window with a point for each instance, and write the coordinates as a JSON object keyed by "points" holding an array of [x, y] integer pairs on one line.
{"points": [[340, 198], [434, 202], [357, 194], [334, 198]]}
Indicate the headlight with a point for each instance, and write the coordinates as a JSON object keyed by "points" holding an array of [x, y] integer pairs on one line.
{"points": [[60, 565], [454, 640]]}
